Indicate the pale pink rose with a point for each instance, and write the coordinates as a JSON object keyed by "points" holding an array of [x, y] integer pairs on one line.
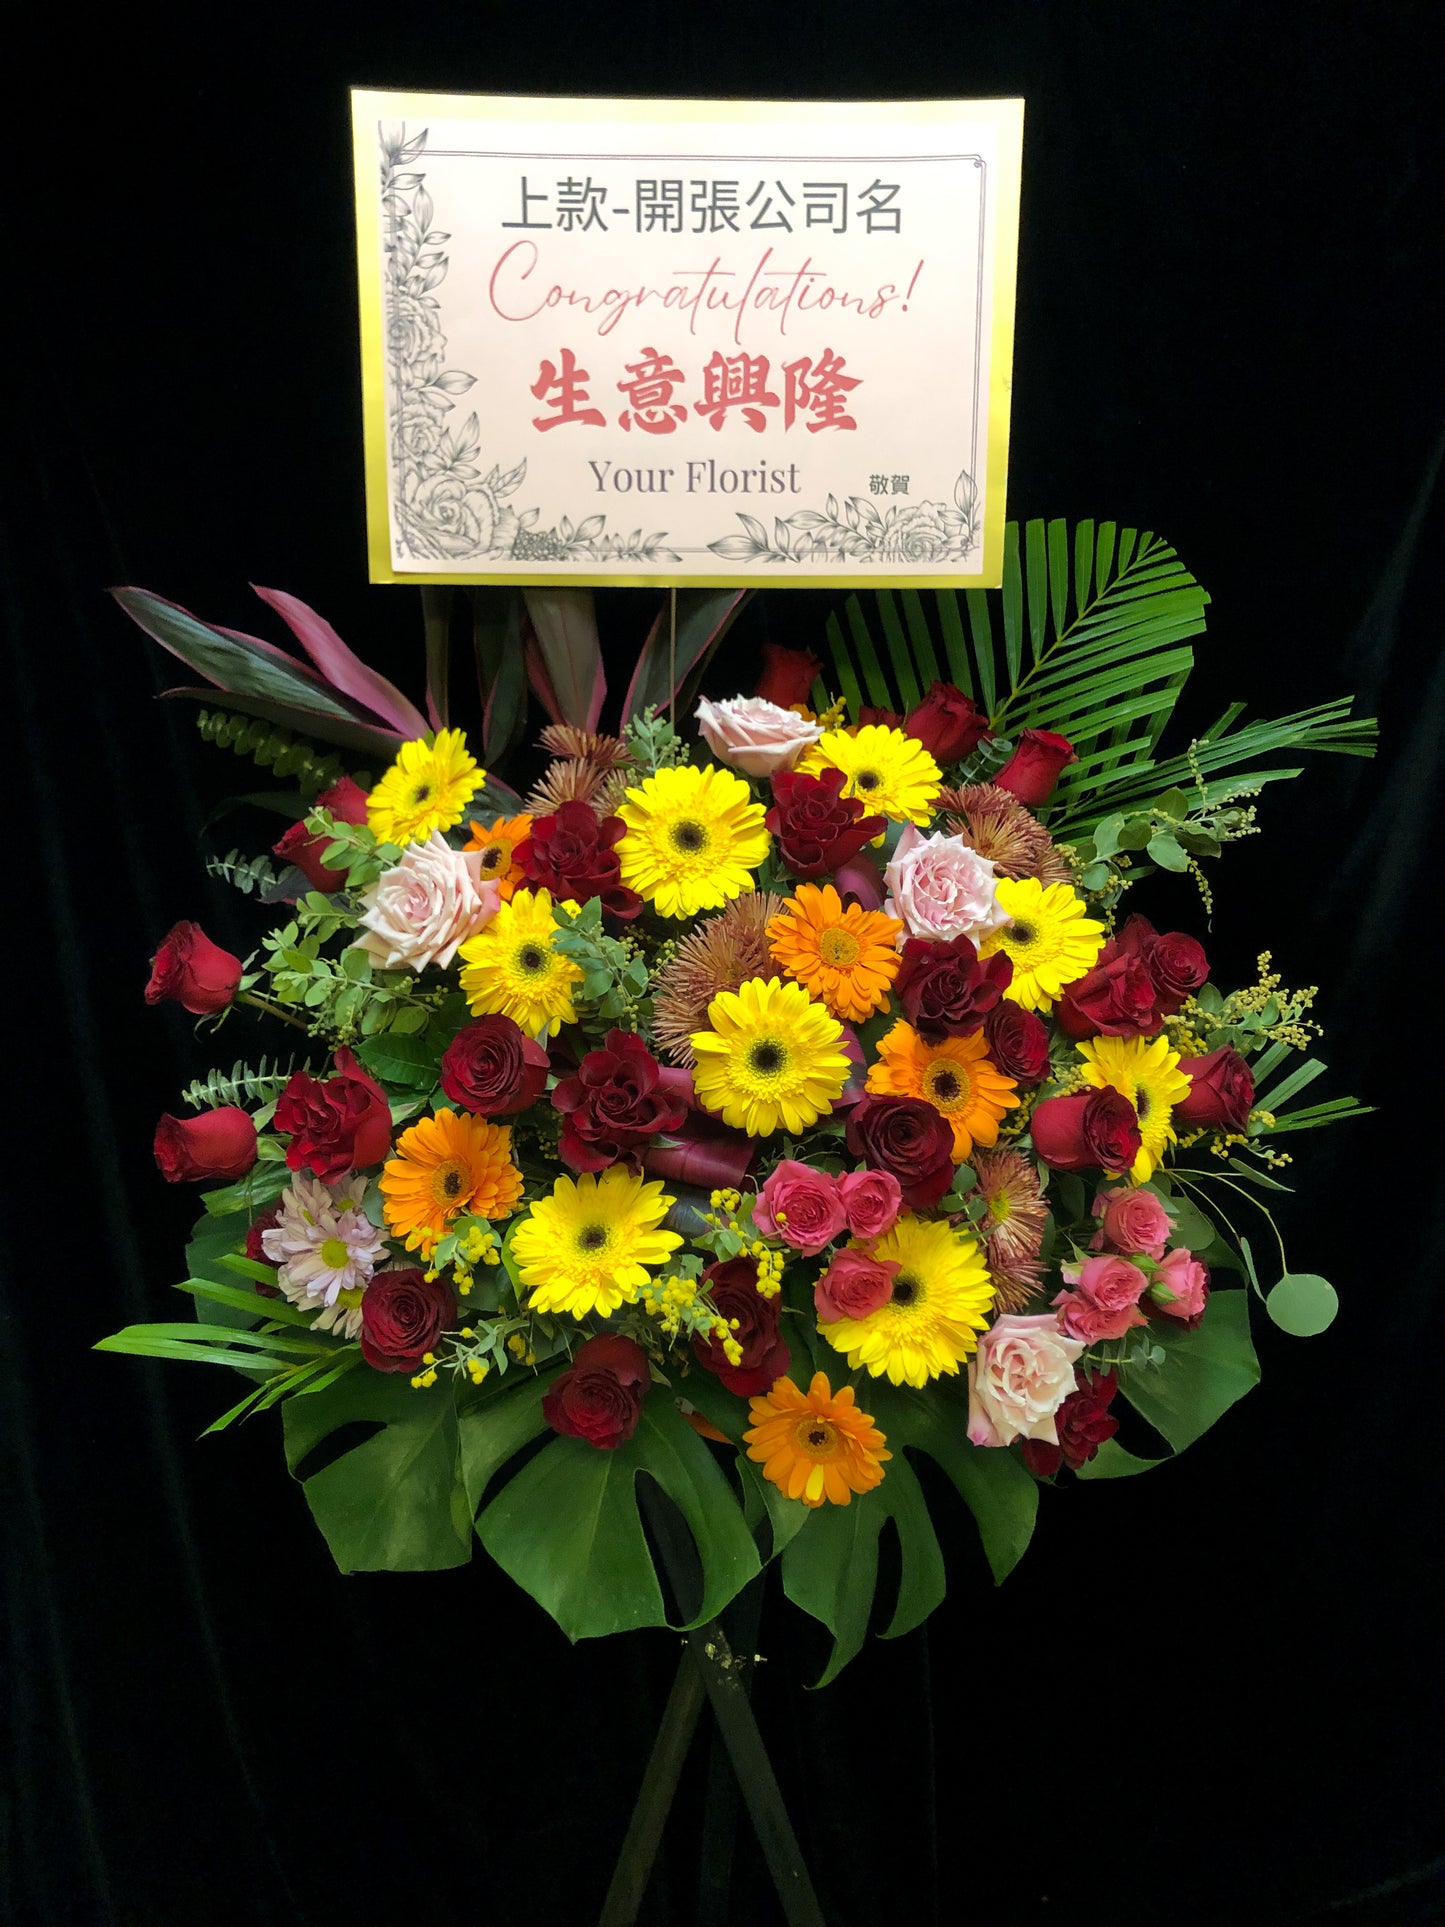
{"points": [[872, 1201], [756, 736], [941, 888], [1186, 1282], [1020, 1375], [854, 1285], [1130, 1220], [418, 913], [1106, 1301], [801, 1206]]}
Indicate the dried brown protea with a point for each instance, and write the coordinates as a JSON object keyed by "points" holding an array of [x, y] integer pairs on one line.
{"points": [[580, 745], [719, 954], [1013, 1230], [998, 826]]}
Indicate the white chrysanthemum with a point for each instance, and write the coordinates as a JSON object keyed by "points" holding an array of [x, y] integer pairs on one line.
{"points": [[326, 1248]]}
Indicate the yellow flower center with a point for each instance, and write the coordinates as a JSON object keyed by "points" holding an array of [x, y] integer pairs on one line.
{"points": [[420, 793], [334, 1254], [838, 947], [867, 779], [1020, 936], [688, 836], [767, 1059], [592, 1238], [946, 1085], [492, 858], [907, 1288], [815, 1438], [530, 959], [999, 1208], [448, 1182]]}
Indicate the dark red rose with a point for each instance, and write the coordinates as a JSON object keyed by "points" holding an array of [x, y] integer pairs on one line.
{"points": [[1221, 1091], [494, 1068], [945, 991], [788, 675], [1032, 771], [1083, 1422], [403, 1314], [573, 855], [907, 1137], [345, 800], [347, 803], [816, 826], [1176, 963], [600, 1398], [872, 716], [190, 970], [1018, 1042], [335, 1124], [949, 724], [256, 1251], [615, 1104], [1117, 998], [732, 1284], [1089, 1131], [217, 1144]]}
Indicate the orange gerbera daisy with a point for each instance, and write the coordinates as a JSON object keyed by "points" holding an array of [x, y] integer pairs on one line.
{"points": [[446, 1165], [498, 846], [843, 955], [815, 1445], [957, 1077]]}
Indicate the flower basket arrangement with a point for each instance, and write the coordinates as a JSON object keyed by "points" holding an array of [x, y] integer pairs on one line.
{"points": [[789, 1086]]}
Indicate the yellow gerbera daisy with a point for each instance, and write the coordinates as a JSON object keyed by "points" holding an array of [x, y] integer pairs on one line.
{"points": [[845, 956], [942, 1295], [512, 966], [588, 1246], [694, 836], [771, 1057], [1050, 940], [498, 846], [957, 1077], [446, 1165], [815, 1445], [1147, 1071], [427, 788], [887, 770]]}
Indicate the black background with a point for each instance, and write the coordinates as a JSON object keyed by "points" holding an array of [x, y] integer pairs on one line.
{"points": [[1210, 1695]]}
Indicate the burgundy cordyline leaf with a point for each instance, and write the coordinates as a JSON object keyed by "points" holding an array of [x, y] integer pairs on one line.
{"points": [[140, 603], [564, 622], [703, 619], [703, 1153], [341, 666]]}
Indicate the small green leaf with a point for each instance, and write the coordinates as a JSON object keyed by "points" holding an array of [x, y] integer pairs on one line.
{"points": [[1106, 836], [1173, 803], [1095, 876], [1303, 1304], [1165, 850], [1136, 833]]}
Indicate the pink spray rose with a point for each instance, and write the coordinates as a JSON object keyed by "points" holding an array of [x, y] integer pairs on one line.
{"points": [[1181, 1287], [1020, 1375], [942, 888], [854, 1285], [756, 736], [420, 912], [872, 1201], [801, 1206], [1105, 1301], [1130, 1220]]}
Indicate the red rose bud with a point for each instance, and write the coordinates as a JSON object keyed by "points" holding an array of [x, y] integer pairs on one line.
{"points": [[945, 991], [1018, 1042], [403, 1314], [494, 1068], [190, 970], [817, 828], [788, 675], [949, 724], [336, 1124], [346, 801], [1117, 998], [908, 1138], [871, 716], [600, 1398], [573, 855], [1090, 1131], [1083, 1423], [217, 1144], [615, 1104], [1034, 768], [1221, 1092], [1178, 966], [732, 1284]]}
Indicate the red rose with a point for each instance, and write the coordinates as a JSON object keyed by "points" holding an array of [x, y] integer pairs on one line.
{"points": [[871, 1201], [908, 1138], [1176, 964], [949, 724], [614, 1104], [1018, 1042], [190, 970], [945, 991], [1221, 1091], [872, 716], [494, 1068], [403, 1314], [1083, 1422], [1116, 998], [347, 803], [256, 1251], [217, 1144], [788, 675], [1032, 771], [1106, 1302], [732, 1284], [600, 1398], [854, 1285], [337, 1124], [802, 1207], [1092, 1130], [816, 826], [572, 854]]}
